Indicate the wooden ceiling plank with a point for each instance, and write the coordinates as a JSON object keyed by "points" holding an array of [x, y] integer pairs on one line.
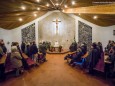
{"points": [[101, 9]]}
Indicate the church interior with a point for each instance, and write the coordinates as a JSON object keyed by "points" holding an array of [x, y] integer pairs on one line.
{"points": [[57, 43]]}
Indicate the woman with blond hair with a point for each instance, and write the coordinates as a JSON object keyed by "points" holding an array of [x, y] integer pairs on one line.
{"points": [[16, 60]]}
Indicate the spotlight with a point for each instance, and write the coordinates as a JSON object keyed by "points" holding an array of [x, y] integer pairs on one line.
{"points": [[38, 8], [95, 17], [73, 2], [20, 19], [23, 7]]}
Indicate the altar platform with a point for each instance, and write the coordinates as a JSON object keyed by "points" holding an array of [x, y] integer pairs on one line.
{"points": [[57, 52]]}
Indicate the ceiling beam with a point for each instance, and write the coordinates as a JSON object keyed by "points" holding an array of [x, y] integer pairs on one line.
{"points": [[52, 3], [100, 9], [62, 2]]}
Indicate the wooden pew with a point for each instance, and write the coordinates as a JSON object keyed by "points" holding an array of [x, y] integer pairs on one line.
{"points": [[3, 59], [29, 61], [8, 64], [100, 65]]}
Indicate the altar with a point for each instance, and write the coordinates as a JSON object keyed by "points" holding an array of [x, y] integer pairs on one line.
{"points": [[56, 44], [57, 47]]}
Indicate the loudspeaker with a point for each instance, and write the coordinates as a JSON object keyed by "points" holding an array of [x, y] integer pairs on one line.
{"points": [[114, 32]]}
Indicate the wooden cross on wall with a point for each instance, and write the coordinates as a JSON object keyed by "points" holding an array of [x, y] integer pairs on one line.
{"points": [[56, 21]]}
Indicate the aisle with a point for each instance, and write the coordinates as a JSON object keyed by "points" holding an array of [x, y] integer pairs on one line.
{"points": [[55, 72]]}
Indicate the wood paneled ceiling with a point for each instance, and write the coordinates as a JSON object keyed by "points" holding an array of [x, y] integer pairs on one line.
{"points": [[28, 10]]}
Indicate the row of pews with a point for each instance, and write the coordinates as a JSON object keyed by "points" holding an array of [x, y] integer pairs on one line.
{"points": [[103, 64], [8, 65]]}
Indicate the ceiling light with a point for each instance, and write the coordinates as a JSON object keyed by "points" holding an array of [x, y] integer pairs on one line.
{"points": [[23, 7], [65, 6], [20, 19], [73, 2], [35, 15], [38, 8], [63, 10], [38, 0], [47, 5], [95, 17], [57, 4]]}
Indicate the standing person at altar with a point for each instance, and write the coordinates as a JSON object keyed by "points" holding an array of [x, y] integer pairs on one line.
{"points": [[56, 44]]}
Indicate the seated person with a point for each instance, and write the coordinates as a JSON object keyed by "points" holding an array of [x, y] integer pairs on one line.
{"points": [[16, 59], [73, 47], [71, 54], [82, 51]]}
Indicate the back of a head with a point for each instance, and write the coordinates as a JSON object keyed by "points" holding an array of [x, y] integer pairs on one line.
{"points": [[94, 45], [34, 43], [14, 49]]}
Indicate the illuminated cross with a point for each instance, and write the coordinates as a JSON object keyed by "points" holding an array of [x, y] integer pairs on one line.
{"points": [[56, 21]]}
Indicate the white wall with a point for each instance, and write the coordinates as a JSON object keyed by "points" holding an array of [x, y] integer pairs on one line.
{"points": [[102, 34], [66, 30], [99, 34], [105, 34], [6, 36]]}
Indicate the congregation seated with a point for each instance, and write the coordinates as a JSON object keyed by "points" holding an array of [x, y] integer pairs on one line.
{"points": [[19, 59], [77, 56], [94, 59]]}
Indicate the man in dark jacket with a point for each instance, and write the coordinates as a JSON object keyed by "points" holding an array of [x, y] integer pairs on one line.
{"points": [[83, 51], [23, 46], [34, 48], [94, 57]]}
